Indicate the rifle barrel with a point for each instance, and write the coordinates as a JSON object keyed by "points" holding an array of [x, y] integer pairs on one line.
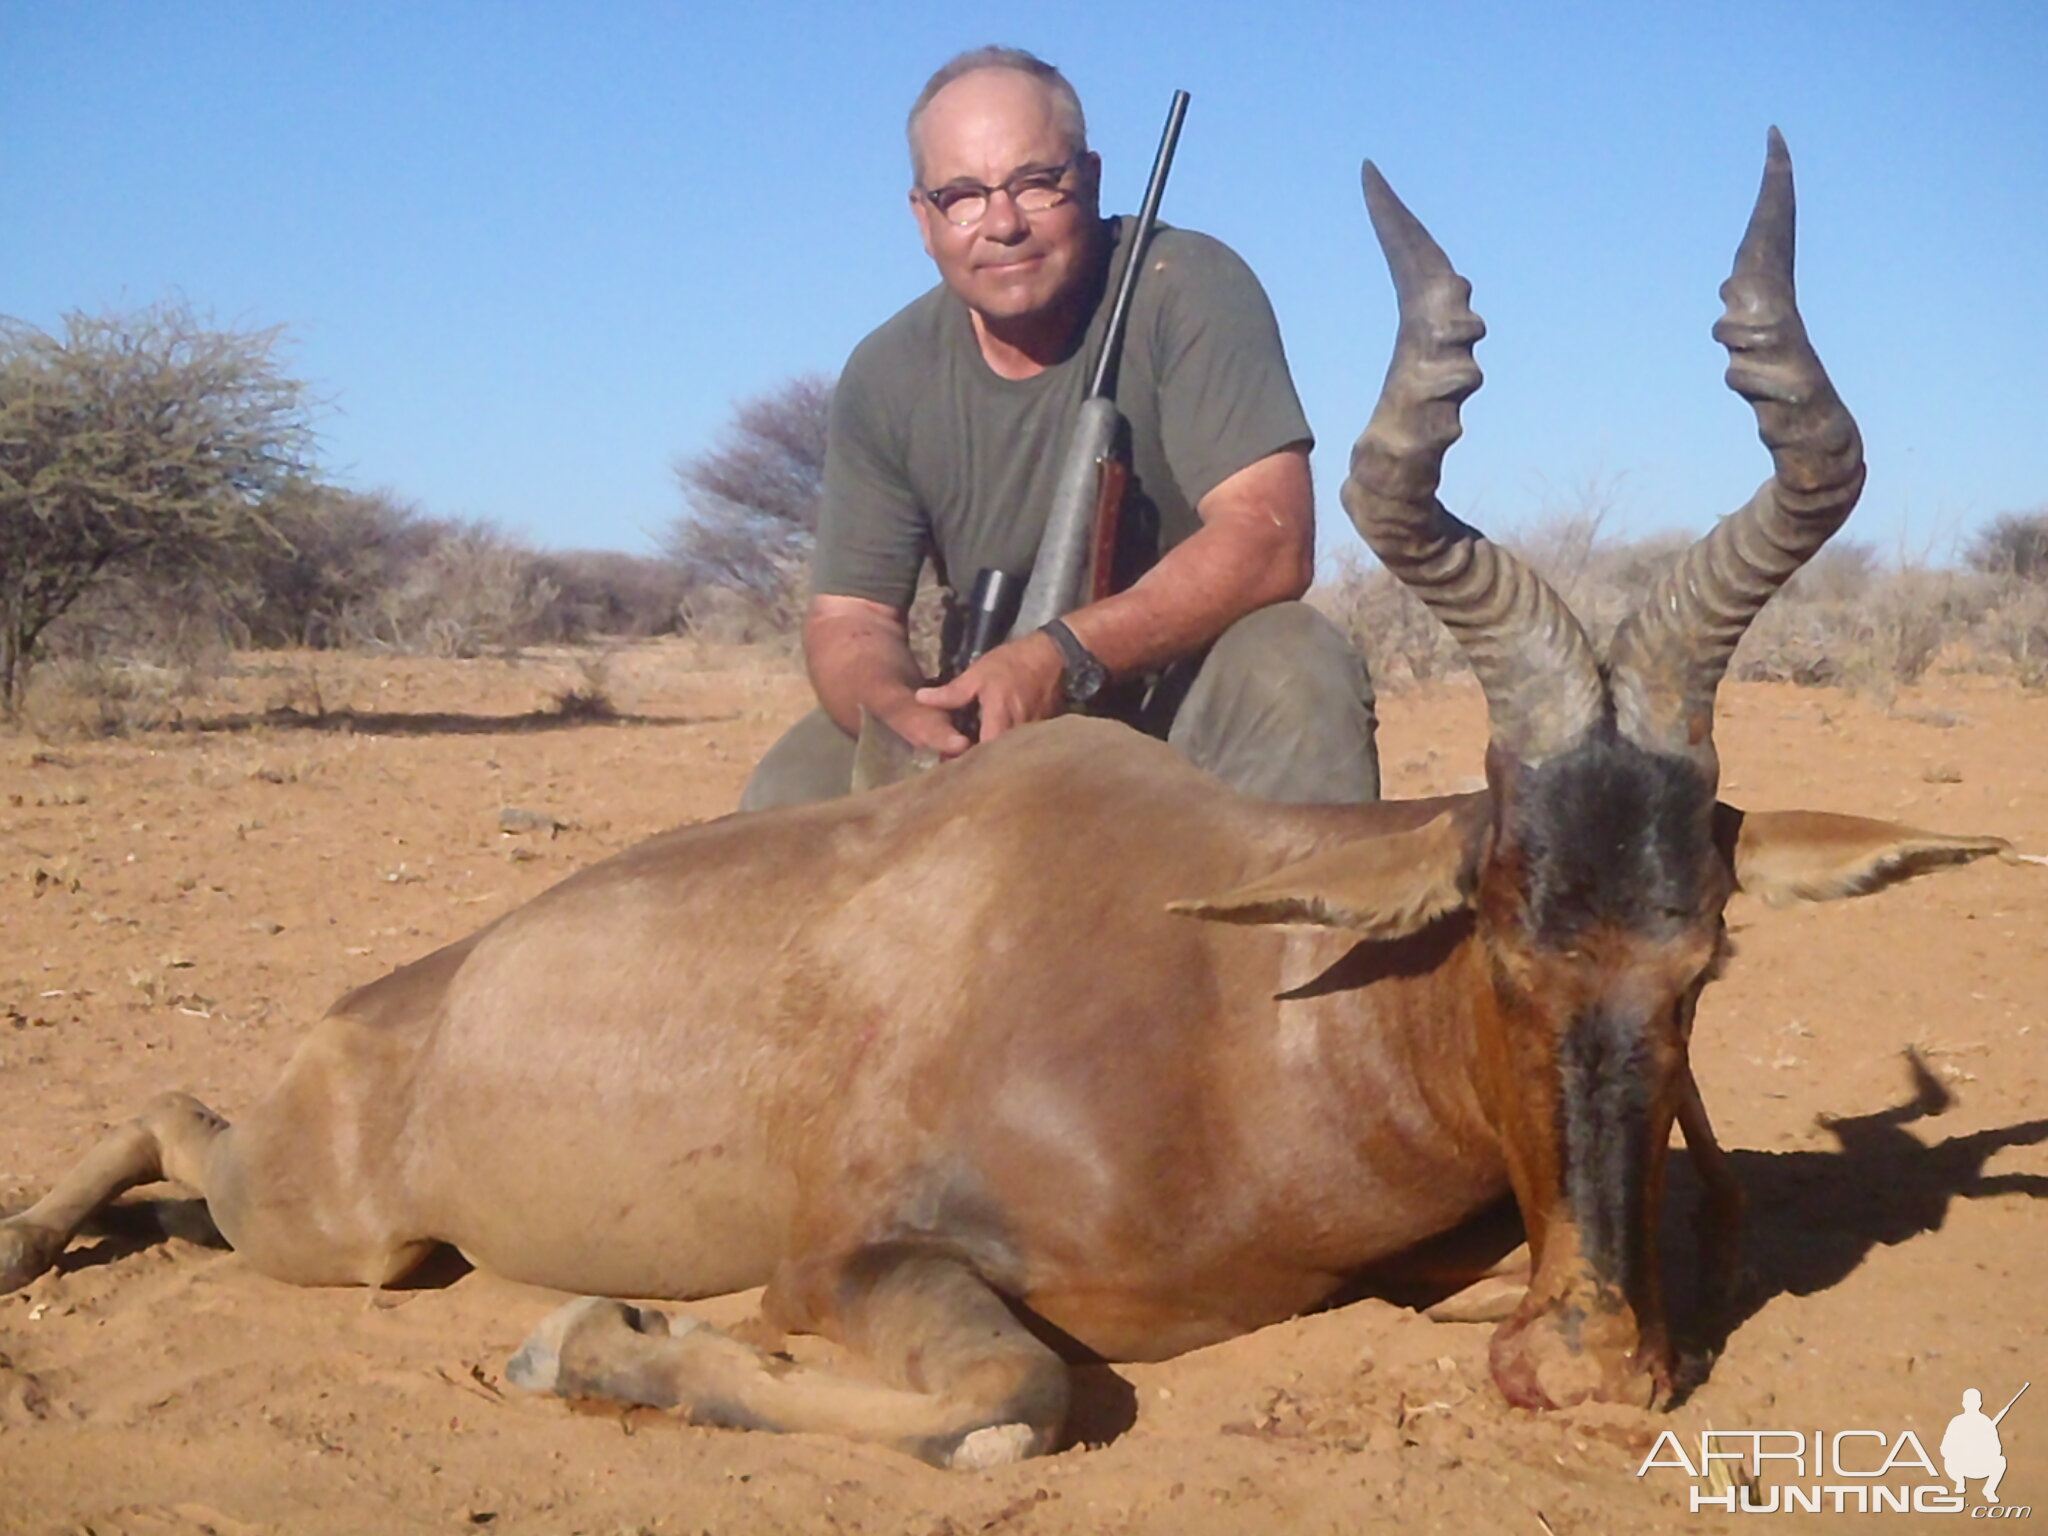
{"points": [[1148, 215]]}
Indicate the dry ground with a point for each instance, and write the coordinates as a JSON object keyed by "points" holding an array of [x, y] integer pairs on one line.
{"points": [[178, 905]]}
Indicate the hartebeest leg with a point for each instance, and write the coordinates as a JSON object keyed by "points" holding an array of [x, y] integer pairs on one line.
{"points": [[965, 1384], [170, 1139], [279, 1194], [1718, 1222], [1493, 1297]]}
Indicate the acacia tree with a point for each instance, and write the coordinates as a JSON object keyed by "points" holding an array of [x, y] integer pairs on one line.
{"points": [[753, 498], [2013, 544], [144, 443]]}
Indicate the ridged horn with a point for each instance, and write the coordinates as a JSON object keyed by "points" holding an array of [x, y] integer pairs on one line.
{"points": [[1532, 658], [1669, 656]]}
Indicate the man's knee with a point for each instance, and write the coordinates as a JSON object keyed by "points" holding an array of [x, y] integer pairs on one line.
{"points": [[813, 761], [1283, 709], [1291, 657]]}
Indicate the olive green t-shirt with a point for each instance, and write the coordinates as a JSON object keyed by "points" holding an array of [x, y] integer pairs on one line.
{"points": [[930, 452]]}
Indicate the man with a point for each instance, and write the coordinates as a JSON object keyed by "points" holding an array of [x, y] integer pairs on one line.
{"points": [[946, 434]]}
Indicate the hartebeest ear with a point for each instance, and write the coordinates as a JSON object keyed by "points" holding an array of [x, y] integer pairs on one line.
{"points": [[1788, 856], [882, 757], [1383, 887]]}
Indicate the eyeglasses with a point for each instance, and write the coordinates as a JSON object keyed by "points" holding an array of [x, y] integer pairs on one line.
{"points": [[1038, 190]]}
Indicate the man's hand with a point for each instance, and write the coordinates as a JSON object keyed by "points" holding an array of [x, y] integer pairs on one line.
{"points": [[1013, 684], [859, 658], [923, 726]]}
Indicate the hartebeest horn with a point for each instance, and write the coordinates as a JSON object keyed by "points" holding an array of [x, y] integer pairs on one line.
{"points": [[1669, 655], [1542, 681]]}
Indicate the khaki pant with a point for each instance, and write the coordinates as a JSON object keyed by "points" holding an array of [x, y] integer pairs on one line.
{"points": [[1280, 708]]}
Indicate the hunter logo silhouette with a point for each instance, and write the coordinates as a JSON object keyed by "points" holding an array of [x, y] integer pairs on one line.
{"points": [[1971, 1448]]}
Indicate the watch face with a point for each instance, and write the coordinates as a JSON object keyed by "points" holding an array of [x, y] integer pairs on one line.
{"points": [[1085, 677]]}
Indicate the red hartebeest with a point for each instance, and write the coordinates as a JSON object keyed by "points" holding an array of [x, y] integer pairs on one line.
{"points": [[1066, 1041]]}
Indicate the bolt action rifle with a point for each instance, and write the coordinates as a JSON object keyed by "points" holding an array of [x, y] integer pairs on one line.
{"points": [[1077, 553]]}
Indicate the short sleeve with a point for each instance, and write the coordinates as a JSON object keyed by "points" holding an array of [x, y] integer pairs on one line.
{"points": [[871, 533], [1226, 399]]}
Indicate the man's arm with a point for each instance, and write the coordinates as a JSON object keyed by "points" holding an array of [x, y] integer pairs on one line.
{"points": [[872, 538], [1256, 546], [858, 654]]}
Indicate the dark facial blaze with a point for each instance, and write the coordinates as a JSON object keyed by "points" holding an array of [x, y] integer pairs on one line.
{"points": [[1608, 1090], [1623, 877]]}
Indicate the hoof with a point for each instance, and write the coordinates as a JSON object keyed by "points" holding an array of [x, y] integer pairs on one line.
{"points": [[585, 1321], [25, 1252], [999, 1445]]}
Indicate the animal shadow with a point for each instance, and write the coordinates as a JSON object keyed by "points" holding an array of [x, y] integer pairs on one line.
{"points": [[1104, 1405], [1814, 1216], [127, 1227], [148, 1219]]}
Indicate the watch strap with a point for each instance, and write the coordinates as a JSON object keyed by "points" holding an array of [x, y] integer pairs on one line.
{"points": [[1071, 649], [1083, 673]]}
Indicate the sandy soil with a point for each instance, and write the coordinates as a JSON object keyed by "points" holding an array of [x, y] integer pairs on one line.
{"points": [[178, 905]]}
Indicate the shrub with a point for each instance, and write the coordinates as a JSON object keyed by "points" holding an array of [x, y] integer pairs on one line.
{"points": [[1402, 640], [336, 553], [2013, 544], [1843, 620], [752, 505], [474, 589], [603, 592]]}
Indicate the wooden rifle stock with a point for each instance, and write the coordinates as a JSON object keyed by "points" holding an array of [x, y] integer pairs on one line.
{"points": [[1112, 480], [1059, 577]]}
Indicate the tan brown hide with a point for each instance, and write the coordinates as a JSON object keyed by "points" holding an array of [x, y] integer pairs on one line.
{"points": [[1063, 1049]]}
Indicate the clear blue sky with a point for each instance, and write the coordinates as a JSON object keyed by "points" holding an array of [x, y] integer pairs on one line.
{"points": [[534, 252]]}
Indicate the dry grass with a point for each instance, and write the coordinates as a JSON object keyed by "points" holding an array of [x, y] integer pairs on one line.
{"points": [[137, 659], [1848, 620], [359, 573]]}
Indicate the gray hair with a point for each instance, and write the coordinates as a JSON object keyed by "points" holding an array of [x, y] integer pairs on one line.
{"points": [[1066, 102]]}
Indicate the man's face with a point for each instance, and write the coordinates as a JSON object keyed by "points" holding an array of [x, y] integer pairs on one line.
{"points": [[986, 127]]}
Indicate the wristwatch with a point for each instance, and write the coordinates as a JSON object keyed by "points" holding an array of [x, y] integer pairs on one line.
{"points": [[1083, 675]]}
